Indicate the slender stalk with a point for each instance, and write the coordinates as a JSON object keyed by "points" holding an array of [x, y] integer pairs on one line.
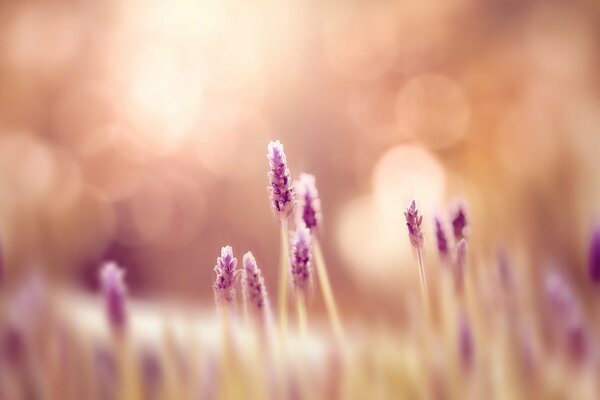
{"points": [[283, 281], [330, 305], [424, 294], [302, 320], [304, 387]]}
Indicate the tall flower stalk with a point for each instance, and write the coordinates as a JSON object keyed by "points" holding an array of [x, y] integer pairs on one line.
{"points": [[309, 214], [282, 197], [415, 235]]}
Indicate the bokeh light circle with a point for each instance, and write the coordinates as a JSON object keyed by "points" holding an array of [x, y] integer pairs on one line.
{"points": [[433, 108]]}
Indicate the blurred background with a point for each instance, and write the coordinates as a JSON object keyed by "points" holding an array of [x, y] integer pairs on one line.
{"points": [[136, 132]]}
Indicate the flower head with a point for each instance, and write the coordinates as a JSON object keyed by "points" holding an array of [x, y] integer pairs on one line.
{"points": [[413, 222], [559, 296], [594, 255], [459, 220], [281, 190], [253, 284], [442, 240], [301, 258], [309, 207], [226, 271], [115, 294]]}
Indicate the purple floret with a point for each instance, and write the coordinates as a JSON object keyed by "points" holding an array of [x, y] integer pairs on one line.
{"points": [[440, 235], [309, 207], [115, 294], [255, 292], [281, 190], [413, 223], [459, 221], [226, 271], [301, 258]]}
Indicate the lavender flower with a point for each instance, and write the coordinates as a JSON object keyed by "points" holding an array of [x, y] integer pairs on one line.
{"points": [[226, 276], [442, 241], [559, 296], [115, 294], [459, 220], [505, 271], [594, 255], [151, 372], [280, 186], [309, 209], [301, 258], [567, 316], [413, 222], [106, 370], [253, 283]]}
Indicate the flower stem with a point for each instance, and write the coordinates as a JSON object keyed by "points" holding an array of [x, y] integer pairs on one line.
{"points": [[283, 284], [330, 305], [302, 324], [424, 294]]}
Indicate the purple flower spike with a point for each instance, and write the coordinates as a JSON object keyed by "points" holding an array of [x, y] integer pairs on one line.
{"points": [[459, 220], [413, 222], [115, 294], [280, 186], [505, 271], [309, 209], [560, 297], [253, 283], [594, 256], [227, 273], [301, 258], [442, 241]]}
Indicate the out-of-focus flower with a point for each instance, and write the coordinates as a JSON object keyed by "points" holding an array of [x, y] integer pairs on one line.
{"points": [[301, 258], [459, 220], [281, 190], [309, 207], [559, 295], [594, 255], [253, 283], [442, 240], [413, 223], [226, 270], [151, 371], [505, 271], [107, 371], [568, 317], [115, 294]]}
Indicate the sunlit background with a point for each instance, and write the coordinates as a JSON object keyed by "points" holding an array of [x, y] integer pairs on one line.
{"points": [[136, 131]]}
